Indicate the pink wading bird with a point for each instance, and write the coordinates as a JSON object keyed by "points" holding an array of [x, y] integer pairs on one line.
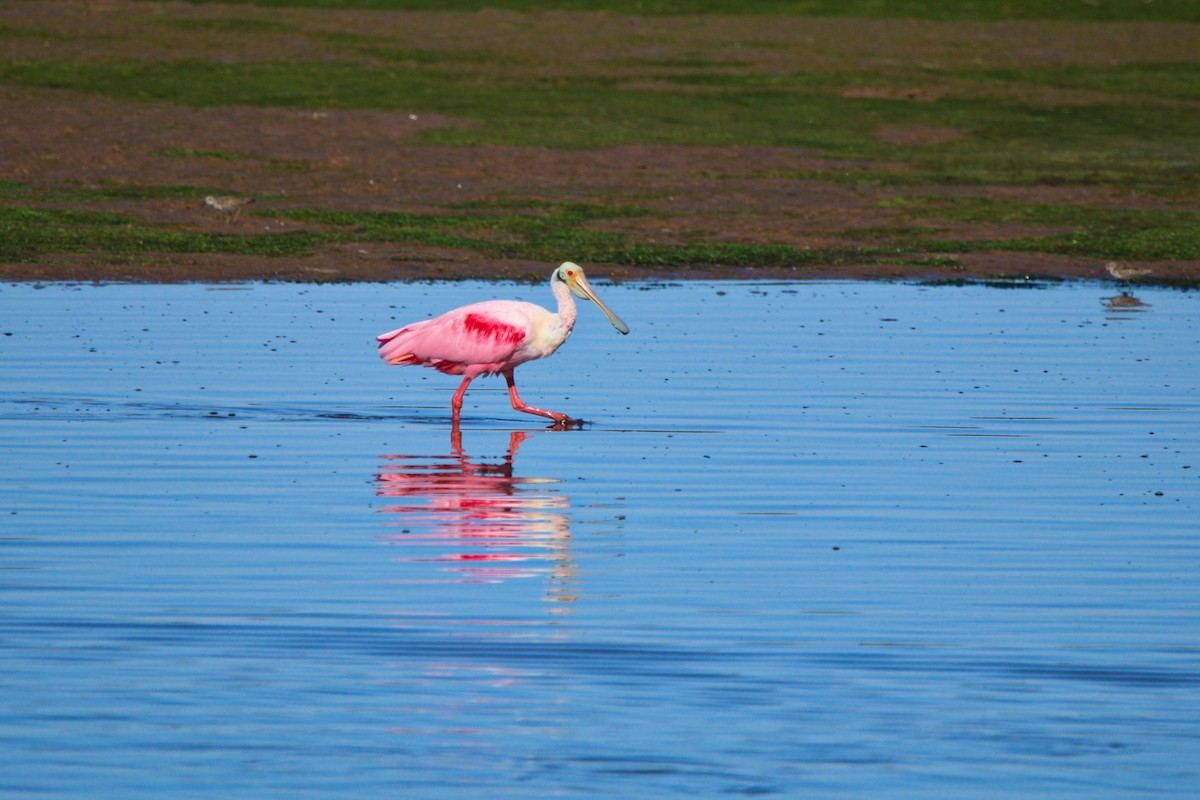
{"points": [[495, 337]]}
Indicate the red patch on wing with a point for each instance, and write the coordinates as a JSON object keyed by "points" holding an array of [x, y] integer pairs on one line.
{"points": [[487, 328]]}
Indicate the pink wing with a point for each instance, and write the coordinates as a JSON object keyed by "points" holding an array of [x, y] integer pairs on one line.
{"points": [[485, 336]]}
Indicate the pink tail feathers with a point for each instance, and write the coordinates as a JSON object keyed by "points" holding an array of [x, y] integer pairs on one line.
{"points": [[393, 347]]}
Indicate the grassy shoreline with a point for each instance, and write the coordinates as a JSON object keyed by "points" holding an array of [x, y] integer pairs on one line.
{"points": [[987, 129]]}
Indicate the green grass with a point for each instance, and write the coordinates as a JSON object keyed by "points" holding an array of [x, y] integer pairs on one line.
{"points": [[231, 25], [542, 235], [29, 234], [188, 152], [1128, 143], [13, 189], [1142, 234], [1110, 10], [1169, 80], [540, 231], [279, 165], [32, 33], [70, 193], [134, 192], [559, 228]]}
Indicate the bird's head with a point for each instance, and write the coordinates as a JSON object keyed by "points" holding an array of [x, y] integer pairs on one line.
{"points": [[572, 275]]}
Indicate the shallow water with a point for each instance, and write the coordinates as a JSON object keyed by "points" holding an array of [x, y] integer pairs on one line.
{"points": [[818, 540]]}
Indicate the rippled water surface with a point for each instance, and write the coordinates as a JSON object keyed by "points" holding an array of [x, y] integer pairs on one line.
{"points": [[818, 540]]}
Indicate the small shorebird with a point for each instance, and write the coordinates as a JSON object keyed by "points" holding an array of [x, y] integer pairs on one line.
{"points": [[1126, 274], [229, 206]]}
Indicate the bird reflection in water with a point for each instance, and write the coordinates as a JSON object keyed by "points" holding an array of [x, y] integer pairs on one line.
{"points": [[1125, 302], [477, 519]]}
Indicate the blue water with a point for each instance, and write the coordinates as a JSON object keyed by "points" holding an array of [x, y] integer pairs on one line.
{"points": [[818, 540]]}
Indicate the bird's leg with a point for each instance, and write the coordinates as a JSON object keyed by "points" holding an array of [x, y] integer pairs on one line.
{"points": [[521, 405], [514, 443], [457, 401]]}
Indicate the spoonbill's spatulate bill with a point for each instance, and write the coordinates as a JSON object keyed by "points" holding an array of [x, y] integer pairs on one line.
{"points": [[495, 337]]}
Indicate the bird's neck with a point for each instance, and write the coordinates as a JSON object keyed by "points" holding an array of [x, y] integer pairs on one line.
{"points": [[566, 306]]}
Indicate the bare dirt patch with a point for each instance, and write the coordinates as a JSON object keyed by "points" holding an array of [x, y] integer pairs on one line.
{"points": [[917, 134]]}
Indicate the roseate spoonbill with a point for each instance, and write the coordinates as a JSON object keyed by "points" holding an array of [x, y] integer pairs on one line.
{"points": [[495, 337]]}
